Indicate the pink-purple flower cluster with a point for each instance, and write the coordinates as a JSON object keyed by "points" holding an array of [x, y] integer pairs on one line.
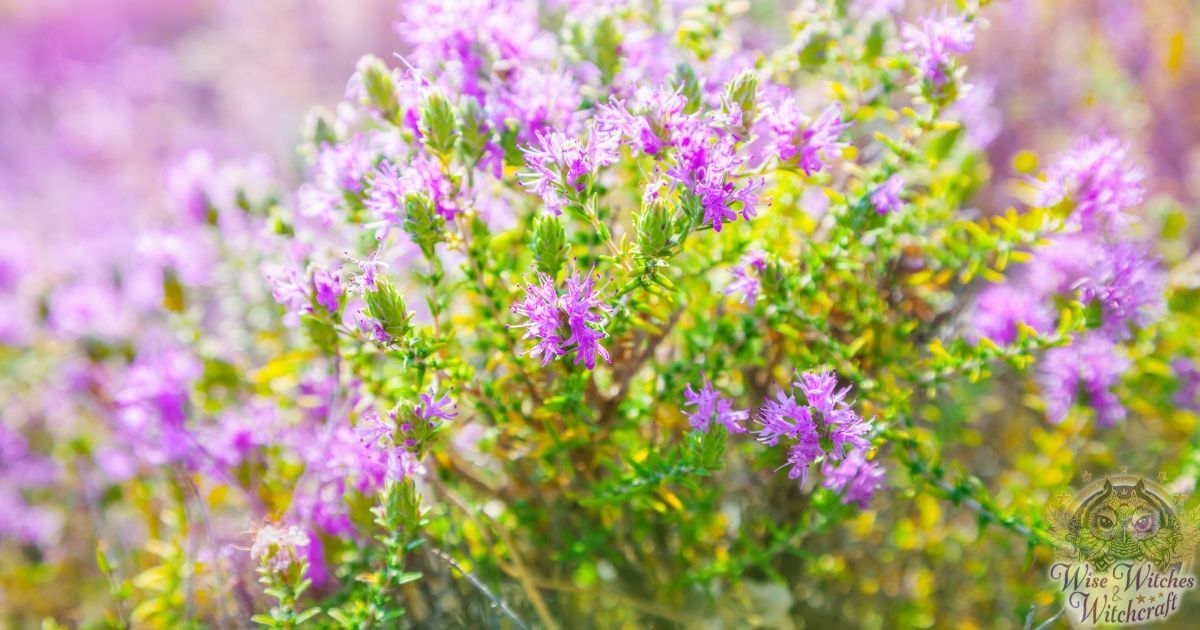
{"points": [[747, 278], [819, 427], [1097, 179], [886, 197], [935, 42], [566, 321], [278, 547], [698, 152], [1120, 283], [711, 406], [807, 142], [562, 166], [706, 166], [1091, 365]]}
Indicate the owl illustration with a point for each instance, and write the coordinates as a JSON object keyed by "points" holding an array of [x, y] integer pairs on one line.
{"points": [[1123, 523]]}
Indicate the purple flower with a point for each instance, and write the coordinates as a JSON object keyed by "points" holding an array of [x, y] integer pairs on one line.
{"points": [[21, 470], [370, 271], [800, 457], [328, 288], [278, 547], [431, 408], [540, 308], [544, 309], [373, 430], [935, 41], [562, 167], [653, 121], [886, 198], [388, 195], [387, 199], [584, 310], [342, 167], [785, 418], [1127, 285], [857, 478], [152, 405], [372, 327], [1000, 307], [1058, 266], [711, 405], [706, 166], [536, 103], [187, 182], [746, 278], [795, 137], [821, 429], [1187, 394], [301, 297], [1097, 179], [820, 389], [1091, 365]]}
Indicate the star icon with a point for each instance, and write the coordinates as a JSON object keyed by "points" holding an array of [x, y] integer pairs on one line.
{"points": [[1086, 476], [1141, 599], [1064, 498], [1162, 477], [1124, 470]]}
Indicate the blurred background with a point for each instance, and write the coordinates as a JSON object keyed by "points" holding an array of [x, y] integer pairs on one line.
{"points": [[104, 104]]}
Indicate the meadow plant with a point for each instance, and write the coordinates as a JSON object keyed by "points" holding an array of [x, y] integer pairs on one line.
{"points": [[590, 314]]}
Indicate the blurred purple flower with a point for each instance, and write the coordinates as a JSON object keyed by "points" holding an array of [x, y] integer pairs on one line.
{"points": [[1127, 285], [934, 41], [710, 405], [1000, 307], [1097, 178], [651, 120], [812, 140], [328, 287], [1187, 394], [561, 167], [886, 197], [1091, 365], [746, 278], [857, 478]]}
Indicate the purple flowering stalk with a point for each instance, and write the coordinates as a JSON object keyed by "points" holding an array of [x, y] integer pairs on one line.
{"points": [[564, 321], [822, 428]]}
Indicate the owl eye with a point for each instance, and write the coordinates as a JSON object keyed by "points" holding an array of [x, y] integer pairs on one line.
{"points": [[1104, 522], [1143, 524]]}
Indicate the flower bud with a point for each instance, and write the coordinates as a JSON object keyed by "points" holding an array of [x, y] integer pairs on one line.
{"points": [[688, 83], [423, 223], [741, 101], [474, 132], [386, 306], [549, 245], [379, 86], [437, 124], [654, 230]]}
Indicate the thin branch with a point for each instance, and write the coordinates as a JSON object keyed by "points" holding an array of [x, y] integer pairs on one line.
{"points": [[481, 587], [1046, 624]]}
